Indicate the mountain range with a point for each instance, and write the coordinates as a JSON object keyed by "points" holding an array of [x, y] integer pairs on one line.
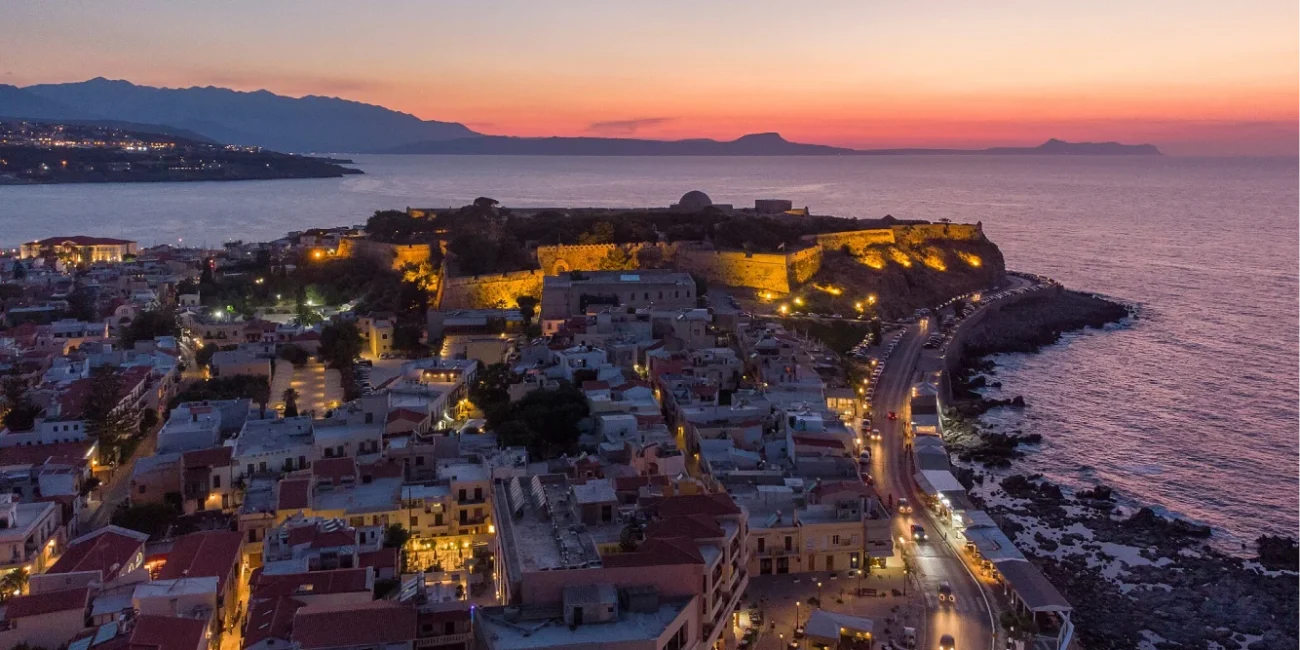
{"points": [[330, 124]]}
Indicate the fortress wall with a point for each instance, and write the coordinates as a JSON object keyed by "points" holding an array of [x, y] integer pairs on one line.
{"points": [[586, 257], [918, 233], [764, 271], [489, 291], [803, 264], [855, 239], [395, 255]]}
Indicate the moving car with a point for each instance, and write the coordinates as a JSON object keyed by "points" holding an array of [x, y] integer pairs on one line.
{"points": [[918, 533], [946, 643], [875, 435], [945, 594], [893, 415], [904, 506]]}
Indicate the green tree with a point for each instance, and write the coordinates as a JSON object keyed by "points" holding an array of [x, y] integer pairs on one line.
{"points": [[148, 420], [527, 308], [150, 324], [602, 232], [406, 338], [340, 344], [1019, 625], [20, 412], [395, 536], [490, 391], [544, 421], [294, 354], [617, 259], [13, 582], [82, 304], [105, 419], [290, 403]]}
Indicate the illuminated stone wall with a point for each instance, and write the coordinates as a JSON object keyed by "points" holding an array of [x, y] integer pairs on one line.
{"points": [[915, 234], [763, 271], [498, 290], [856, 240], [395, 255], [587, 257]]}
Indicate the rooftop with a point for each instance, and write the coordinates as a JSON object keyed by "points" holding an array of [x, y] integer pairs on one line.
{"points": [[107, 550], [212, 553], [545, 627], [370, 624]]}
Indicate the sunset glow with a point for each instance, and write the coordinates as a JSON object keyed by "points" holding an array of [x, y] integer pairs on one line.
{"points": [[1190, 77]]}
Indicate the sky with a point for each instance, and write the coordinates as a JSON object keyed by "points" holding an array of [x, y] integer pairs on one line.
{"points": [[1191, 76]]}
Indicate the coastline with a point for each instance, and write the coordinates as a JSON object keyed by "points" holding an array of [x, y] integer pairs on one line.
{"points": [[1116, 565]]}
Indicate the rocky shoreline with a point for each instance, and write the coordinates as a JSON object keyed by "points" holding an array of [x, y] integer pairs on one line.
{"points": [[1135, 579]]}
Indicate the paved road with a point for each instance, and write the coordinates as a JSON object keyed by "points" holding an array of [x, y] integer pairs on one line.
{"points": [[114, 492], [933, 562]]}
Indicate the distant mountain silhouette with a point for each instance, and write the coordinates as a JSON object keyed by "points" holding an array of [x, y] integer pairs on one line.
{"points": [[758, 144], [328, 124], [312, 123]]}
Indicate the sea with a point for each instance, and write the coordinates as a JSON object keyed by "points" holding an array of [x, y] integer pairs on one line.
{"points": [[1191, 408]]}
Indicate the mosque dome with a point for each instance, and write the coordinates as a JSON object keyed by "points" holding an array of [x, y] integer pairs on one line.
{"points": [[694, 200]]}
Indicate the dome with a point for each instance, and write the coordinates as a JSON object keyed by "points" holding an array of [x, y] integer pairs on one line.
{"points": [[695, 200]]}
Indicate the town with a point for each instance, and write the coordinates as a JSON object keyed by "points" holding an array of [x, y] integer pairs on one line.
{"points": [[697, 426]]}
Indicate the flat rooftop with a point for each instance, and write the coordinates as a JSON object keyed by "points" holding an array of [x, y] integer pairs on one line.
{"points": [[380, 495], [532, 538], [545, 628]]}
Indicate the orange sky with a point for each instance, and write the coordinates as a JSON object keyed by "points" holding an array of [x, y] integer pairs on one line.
{"points": [[1191, 76]]}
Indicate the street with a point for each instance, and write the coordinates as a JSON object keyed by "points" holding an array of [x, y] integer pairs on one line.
{"points": [[934, 562]]}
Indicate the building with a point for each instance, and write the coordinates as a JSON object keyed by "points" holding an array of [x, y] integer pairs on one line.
{"points": [[44, 620], [31, 535], [573, 293], [80, 249], [214, 555], [107, 557], [228, 363]]}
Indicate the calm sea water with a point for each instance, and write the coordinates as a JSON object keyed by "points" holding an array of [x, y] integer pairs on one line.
{"points": [[1193, 408]]}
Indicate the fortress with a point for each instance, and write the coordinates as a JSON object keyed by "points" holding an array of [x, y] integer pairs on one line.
{"points": [[778, 273]]}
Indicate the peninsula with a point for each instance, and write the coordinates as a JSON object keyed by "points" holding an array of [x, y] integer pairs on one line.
{"points": [[47, 153]]}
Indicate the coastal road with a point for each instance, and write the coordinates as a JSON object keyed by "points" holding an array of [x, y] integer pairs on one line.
{"points": [[933, 562]]}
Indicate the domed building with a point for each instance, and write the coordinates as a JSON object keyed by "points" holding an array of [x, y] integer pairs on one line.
{"points": [[693, 201]]}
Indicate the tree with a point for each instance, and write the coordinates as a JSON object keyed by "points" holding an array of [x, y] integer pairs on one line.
{"points": [[485, 203], [153, 519], [150, 324], [340, 344], [490, 391], [527, 308], [602, 232], [148, 420], [294, 354], [14, 582], [544, 421], [82, 304], [617, 259], [20, 271], [395, 536], [20, 412], [1019, 625], [649, 257], [105, 420], [290, 403], [406, 338]]}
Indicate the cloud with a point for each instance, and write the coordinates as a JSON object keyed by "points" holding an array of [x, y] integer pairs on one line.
{"points": [[626, 127]]}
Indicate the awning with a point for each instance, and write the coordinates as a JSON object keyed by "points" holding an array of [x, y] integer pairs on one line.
{"points": [[1032, 587], [830, 625], [937, 481], [993, 544]]}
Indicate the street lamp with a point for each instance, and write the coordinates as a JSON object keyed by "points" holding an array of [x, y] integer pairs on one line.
{"points": [[796, 614], [819, 595]]}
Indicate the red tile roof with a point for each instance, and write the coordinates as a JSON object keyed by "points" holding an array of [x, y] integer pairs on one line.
{"points": [[63, 453], [82, 240], [688, 526], [210, 457], [410, 415], [72, 402], [373, 623], [167, 633], [383, 558], [712, 503], [46, 603], [334, 470], [312, 583], [270, 618], [595, 385], [657, 552], [633, 483], [295, 494], [213, 553], [106, 550]]}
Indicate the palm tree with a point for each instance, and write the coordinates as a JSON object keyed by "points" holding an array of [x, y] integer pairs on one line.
{"points": [[13, 583], [290, 403]]}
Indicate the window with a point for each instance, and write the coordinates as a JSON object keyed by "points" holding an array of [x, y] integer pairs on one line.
{"points": [[216, 481], [835, 539], [415, 521], [789, 543], [462, 495], [141, 490], [661, 295], [761, 544], [419, 461], [478, 494], [370, 418]]}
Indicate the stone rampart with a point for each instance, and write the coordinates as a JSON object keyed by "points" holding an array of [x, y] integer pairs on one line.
{"points": [[918, 233], [498, 290], [763, 271], [854, 239], [395, 255]]}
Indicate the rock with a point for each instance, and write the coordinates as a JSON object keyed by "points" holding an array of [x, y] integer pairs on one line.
{"points": [[1018, 402]]}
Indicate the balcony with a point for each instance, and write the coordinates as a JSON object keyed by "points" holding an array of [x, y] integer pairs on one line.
{"points": [[445, 639]]}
